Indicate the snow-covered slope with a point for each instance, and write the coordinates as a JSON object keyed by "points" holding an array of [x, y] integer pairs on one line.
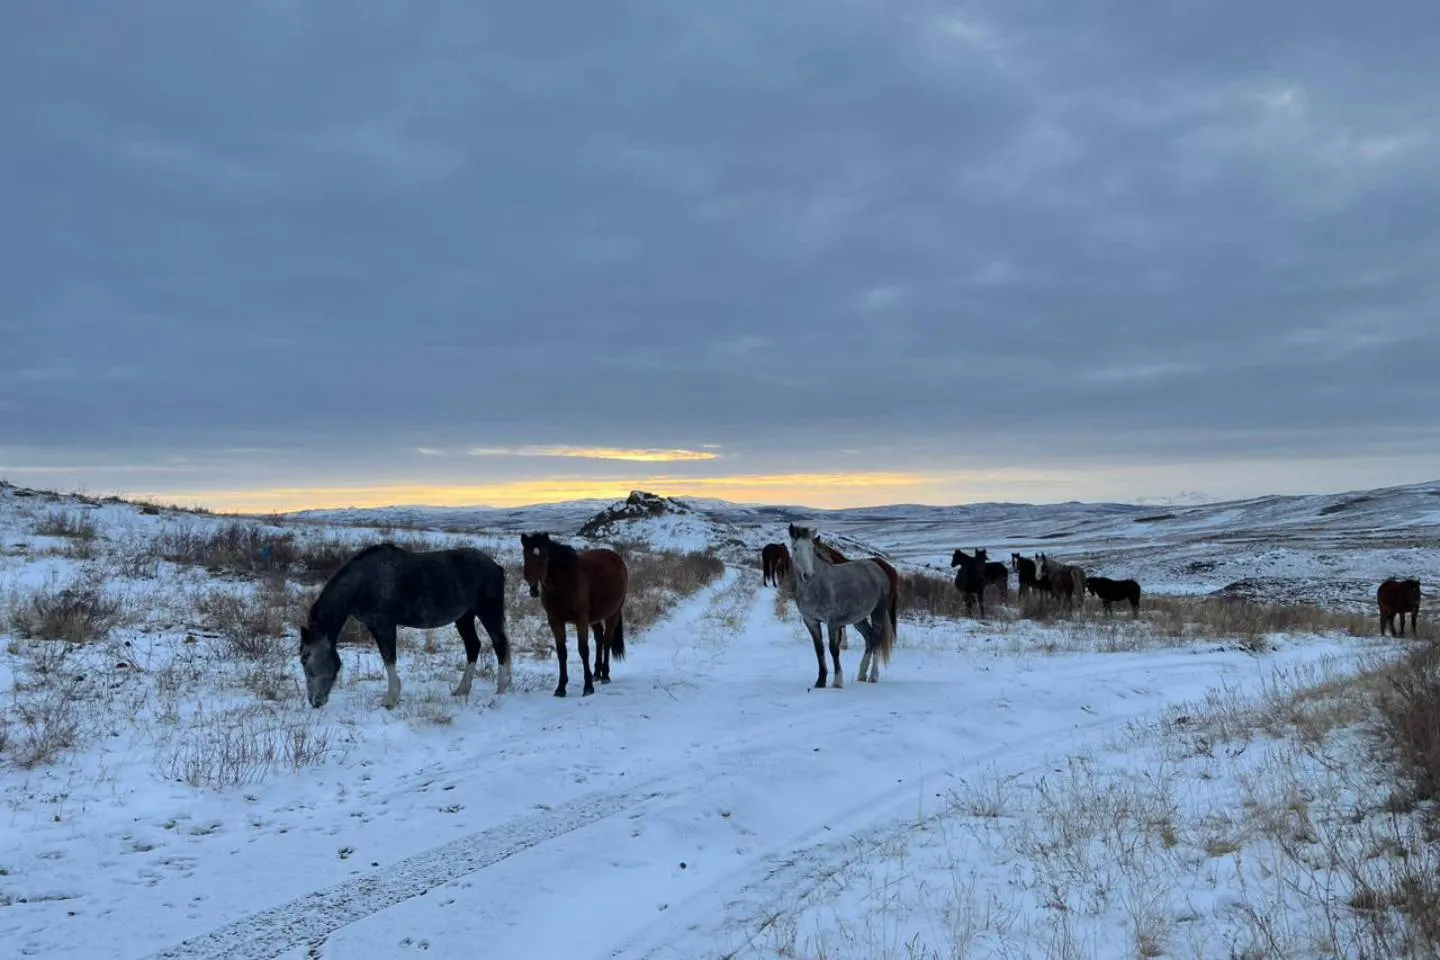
{"points": [[1326, 547]]}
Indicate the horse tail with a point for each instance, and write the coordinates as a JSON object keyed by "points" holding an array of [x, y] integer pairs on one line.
{"points": [[616, 637], [890, 623]]}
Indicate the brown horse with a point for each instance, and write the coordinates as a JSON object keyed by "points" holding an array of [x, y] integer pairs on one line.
{"points": [[1066, 579], [775, 563], [833, 557], [583, 587], [828, 553], [1398, 597]]}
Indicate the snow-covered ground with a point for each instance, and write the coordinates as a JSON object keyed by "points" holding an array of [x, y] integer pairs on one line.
{"points": [[706, 803]]}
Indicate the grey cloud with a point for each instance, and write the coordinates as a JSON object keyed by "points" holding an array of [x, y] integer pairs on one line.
{"points": [[1151, 229]]}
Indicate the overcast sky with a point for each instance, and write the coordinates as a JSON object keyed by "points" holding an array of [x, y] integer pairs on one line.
{"points": [[994, 250]]}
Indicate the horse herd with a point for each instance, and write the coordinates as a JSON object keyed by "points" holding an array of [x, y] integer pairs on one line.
{"points": [[385, 586], [975, 572]]}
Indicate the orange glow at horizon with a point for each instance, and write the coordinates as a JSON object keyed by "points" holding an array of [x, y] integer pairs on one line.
{"points": [[817, 489]]}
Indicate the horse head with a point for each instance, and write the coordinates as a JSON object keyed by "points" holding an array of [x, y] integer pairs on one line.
{"points": [[958, 557], [802, 550], [536, 549], [321, 663]]}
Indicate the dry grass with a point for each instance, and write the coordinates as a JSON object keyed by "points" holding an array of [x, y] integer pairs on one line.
{"points": [[1409, 704], [71, 524], [232, 748], [253, 549], [80, 611], [660, 580]]}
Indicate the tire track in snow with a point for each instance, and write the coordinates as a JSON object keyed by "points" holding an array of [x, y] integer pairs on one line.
{"points": [[792, 872], [313, 917]]}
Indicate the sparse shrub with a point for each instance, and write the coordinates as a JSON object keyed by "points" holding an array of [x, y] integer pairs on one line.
{"points": [[71, 524], [80, 611], [660, 580], [250, 620], [1411, 710], [237, 747], [46, 725]]}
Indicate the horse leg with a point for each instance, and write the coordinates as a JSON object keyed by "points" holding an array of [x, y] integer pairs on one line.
{"points": [[384, 635], [870, 662], [844, 642], [602, 651], [835, 634], [492, 618], [814, 627], [582, 626], [557, 627], [466, 626]]}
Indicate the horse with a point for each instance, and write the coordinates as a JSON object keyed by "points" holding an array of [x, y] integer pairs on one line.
{"points": [[839, 594], [384, 587], [775, 563], [996, 574], [1025, 573], [587, 588], [832, 556], [1114, 591], [1396, 596], [970, 578], [1066, 579]]}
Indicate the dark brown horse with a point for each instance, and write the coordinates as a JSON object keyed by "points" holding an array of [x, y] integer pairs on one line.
{"points": [[1398, 597], [1066, 579], [583, 587], [775, 562], [970, 578]]}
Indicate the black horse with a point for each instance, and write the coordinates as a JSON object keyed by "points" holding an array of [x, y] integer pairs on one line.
{"points": [[384, 587], [970, 578], [1115, 591]]}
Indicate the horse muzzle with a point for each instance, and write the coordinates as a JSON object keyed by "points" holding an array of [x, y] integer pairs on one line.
{"points": [[534, 589]]}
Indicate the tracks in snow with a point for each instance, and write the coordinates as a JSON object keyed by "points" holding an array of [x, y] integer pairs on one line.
{"points": [[792, 866]]}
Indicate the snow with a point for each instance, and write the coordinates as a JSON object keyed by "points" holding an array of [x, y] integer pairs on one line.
{"points": [[707, 802]]}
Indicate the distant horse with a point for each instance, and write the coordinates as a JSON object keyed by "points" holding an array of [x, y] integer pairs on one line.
{"points": [[584, 587], [996, 574], [1025, 573], [839, 594], [1114, 591], [1398, 597], [970, 578], [385, 587], [1066, 579], [775, 562]]}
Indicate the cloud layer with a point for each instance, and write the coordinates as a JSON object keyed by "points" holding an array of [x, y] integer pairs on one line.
{"points": [[286, 243]]}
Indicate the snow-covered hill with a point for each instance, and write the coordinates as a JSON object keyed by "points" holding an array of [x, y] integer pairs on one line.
{"points": [[1326, 547]]}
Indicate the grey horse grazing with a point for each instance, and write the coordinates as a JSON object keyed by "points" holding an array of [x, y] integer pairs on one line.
{"points": [[384, 587], [857, 592]]}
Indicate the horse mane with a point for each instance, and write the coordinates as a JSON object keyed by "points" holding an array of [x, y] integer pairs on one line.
{"points": [[564, 559]]}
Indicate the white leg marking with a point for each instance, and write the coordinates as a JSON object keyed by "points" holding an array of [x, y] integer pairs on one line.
{"points": [[392, 695], [502, 678], [463, 690]]}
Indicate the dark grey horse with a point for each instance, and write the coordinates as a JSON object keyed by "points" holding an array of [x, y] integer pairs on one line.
{"points": [[384, 587], [857, 592]]}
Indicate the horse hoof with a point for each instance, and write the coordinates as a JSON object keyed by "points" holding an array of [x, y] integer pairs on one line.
{"points": [[559, 693], [589, 691], [604, 679]]}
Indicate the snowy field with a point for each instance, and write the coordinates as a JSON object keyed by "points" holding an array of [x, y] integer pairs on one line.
{"points": [[1067, 786]]}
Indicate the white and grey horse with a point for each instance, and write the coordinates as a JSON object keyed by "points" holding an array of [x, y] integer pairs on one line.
{"points": [[858, 592]]}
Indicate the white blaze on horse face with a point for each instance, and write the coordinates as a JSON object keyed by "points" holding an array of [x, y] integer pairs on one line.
{"points": [[802, 552]]}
